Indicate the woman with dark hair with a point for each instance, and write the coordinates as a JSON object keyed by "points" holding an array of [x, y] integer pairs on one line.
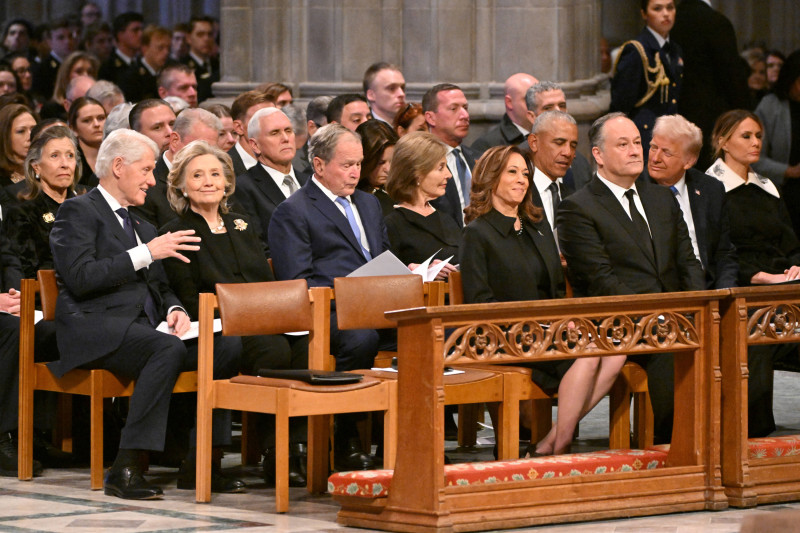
{"points": [[16, 123], [377, 141], [416, 230], [9, 81], [775, 60], [51, 173], [409, 120], [87, 118], [646, 82], [201, 183], [779, 113], [21, 65]]}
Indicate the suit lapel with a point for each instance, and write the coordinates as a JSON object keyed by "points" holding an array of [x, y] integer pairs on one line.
{"points": [[546, 246], [612, 205], [266, 184], [110, 217], [323, 204], [658, 233], [698, 205], [370, 226]]}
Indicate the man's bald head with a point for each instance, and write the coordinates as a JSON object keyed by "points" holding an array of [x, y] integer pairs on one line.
{"points": [[515, 88]]}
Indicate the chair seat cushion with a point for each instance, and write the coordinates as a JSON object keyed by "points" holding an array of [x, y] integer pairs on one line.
{"points": [[376, 483], [764, 447]]}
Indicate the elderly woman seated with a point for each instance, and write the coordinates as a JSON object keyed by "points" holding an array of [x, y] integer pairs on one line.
{"points": [[200, 184]]}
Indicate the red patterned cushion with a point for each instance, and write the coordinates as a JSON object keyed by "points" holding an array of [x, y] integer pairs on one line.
{"points": [[773, 447], [375, 483]]}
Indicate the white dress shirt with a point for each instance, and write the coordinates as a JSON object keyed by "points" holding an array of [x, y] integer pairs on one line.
{"points": [[140, 255], [248, 160], [686, 208], [451, 165], [619, 194], [542, 182], [277, 176]]}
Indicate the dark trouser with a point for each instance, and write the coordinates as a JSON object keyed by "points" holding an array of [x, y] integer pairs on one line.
{"points": [[661, 384], [276, 352], [760, 361]]}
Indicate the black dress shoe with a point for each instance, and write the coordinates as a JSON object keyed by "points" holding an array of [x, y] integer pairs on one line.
{"points": [[128, 483], [352, 457], [297, 465], [220, 483], [9, 458], [48, 454]]}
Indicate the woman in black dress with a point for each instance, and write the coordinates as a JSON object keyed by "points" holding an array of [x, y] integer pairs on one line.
{"points": [[416, 230], [377, 141], [16, 123], [200, 184], [52, 169], [87, 118]]}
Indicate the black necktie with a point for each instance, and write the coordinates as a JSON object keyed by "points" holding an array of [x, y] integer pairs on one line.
{"points": [[639, 223], [555, 193], [149, 304]]}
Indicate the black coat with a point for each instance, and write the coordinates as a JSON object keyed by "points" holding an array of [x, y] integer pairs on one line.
{"points": [[413, 238], [503, 134]]}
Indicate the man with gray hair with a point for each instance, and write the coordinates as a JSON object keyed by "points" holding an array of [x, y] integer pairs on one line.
{"points": [[114, 293], [315, 118], [515, 125], [547, 96], [191, 125], [117, 119], [77, 87], [273, 179], [623, 236], [107, 93], [326, 230]]}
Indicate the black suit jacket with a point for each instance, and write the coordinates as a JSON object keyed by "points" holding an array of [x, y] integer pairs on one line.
{"points": [[100, 292], [113, 68], [450, 202], [493, 271], [204, 77], [565, 188], [238, 164], [603, 255], [156, 209], [44, 77], [310, 238], [208, 268], [257, 195], [137, 83], [503, 134], [712, 228]]}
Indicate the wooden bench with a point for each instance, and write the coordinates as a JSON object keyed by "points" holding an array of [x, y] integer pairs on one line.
{"points": [[685, 324], [755, 471]]}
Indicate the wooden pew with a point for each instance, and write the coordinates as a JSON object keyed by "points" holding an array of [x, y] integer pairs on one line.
{"points": [[751, 472], [419, 499]]}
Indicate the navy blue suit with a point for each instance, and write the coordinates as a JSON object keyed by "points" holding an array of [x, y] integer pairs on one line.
{"points": [[450, 202], [310, 239]]}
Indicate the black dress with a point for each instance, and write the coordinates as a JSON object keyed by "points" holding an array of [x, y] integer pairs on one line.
{"points": [[88, 177], [413, 237], [28, 226]]}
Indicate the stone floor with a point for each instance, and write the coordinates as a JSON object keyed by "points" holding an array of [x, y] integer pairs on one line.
{"points": [[60, 500]]}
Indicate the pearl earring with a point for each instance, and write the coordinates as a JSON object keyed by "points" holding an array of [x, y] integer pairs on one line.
{"points": [[185, 195], [37, 176]]}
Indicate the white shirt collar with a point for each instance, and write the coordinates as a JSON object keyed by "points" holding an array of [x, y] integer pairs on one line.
{"points": [[731, 180], [199, 61], [248, 160], [658, 37], [616, 190], [542, 181], [123, 57], [167, 161], [110, 200], [522, 130], [150, 69], [332, 197], [681, 185]]}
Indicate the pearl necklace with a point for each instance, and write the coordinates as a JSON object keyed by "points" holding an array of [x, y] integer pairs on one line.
{"points": [[220, 227]]}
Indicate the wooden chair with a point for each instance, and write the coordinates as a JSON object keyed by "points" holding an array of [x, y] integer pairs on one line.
{"points": [[631, 383], [96, 384], [271, 308], [361, 303]]}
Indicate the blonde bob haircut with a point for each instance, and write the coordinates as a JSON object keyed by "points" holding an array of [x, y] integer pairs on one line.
{"points": [[415, 155], [177, 176]]}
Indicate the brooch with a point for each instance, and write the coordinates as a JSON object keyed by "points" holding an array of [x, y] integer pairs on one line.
{"points": [[240, 224], [48, 218]]}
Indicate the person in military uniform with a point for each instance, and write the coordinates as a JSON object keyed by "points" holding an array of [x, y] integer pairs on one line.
{"points": [[62, 43], [646, 83], [201, 44], [127, 29], [140, 81]]}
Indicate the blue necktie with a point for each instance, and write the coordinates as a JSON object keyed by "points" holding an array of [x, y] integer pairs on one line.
{"points": [[463, 175], [351, 219], [674, 190], [149, 304]]}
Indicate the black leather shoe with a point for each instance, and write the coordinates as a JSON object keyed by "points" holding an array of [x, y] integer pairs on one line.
{"points": [[297, 465], [128, 483], [9, 458], [352, 457], [220, 483], [48, 454]]}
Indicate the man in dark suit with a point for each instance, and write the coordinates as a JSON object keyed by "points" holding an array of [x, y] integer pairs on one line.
{"points": [[385, 89], [272, 180], [714, 77], [315, 119], [623, 237], [515, 125], [127, 29], [244, 107], [548, 96], [673, 151], [140, 81], [327, 230], [191, 125], [61, 41], [113, 292], [201, 43], [447, 114]]}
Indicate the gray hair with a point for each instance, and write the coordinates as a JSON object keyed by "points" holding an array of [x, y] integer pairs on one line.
{"points": [[317, 108], [254, 126], [177, 103], [325, 140], [537, 89], [297, 116], [597, 134], [189, 117], [104, 91], [177, 176], [35, 156], [117, 118], [544, 120], [677, 127], [128, 144], [68, 92]]}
